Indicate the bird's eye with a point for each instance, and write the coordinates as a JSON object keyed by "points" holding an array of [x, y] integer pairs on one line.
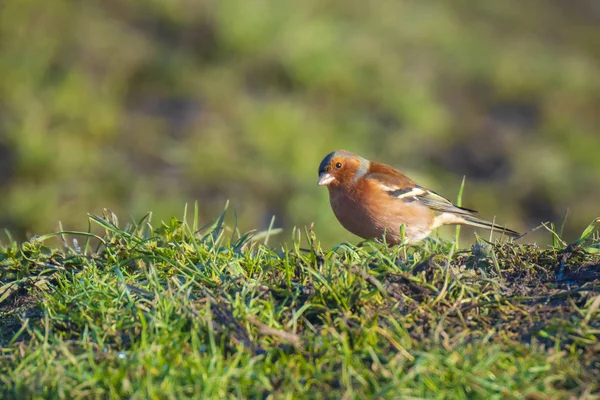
{"points": [[338, 165]]}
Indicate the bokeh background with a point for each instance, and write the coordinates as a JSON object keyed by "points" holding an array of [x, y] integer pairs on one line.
{"points": [[144, 105]]}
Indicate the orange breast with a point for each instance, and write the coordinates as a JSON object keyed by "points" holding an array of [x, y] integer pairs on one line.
{"points": [[379, 215]]}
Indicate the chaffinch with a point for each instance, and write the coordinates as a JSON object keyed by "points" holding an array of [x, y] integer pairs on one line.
{"points": [[372, 199]]}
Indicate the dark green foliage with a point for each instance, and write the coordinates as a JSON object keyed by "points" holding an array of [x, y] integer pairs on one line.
{"points": [[178, 311], [149, 104]]}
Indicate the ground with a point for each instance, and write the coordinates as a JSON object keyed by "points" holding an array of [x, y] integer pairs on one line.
{"points": [[176, 310]]}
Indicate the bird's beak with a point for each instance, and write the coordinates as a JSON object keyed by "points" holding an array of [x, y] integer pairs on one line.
{"points": [[325, 179]]}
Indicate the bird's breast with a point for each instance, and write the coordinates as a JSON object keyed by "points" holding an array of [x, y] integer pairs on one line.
{"points": [[354, 215], [371, 219]]}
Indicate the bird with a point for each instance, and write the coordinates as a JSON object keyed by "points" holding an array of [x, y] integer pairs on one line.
{"points": [[373, 200]]}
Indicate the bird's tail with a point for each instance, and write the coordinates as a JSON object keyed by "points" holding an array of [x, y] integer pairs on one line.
{"points": [[480, 223]]}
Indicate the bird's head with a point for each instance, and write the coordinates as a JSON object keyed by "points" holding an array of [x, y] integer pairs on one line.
{"points": [[341, 168]]}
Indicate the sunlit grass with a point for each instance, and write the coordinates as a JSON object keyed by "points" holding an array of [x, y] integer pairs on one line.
{"points": [[178, 309]]}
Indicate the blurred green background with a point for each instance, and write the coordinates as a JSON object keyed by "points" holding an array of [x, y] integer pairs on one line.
{"points": [[142, 106]]}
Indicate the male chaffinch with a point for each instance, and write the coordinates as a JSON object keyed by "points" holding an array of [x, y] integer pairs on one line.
{"points": [[372, 199]]}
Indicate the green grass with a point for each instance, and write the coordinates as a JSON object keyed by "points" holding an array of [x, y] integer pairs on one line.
{"points": [[173, 311]]}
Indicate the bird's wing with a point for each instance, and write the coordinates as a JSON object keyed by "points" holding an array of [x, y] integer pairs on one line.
{"points": [[388, 176], [399, 186], [402, 188], [439, 203]]}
